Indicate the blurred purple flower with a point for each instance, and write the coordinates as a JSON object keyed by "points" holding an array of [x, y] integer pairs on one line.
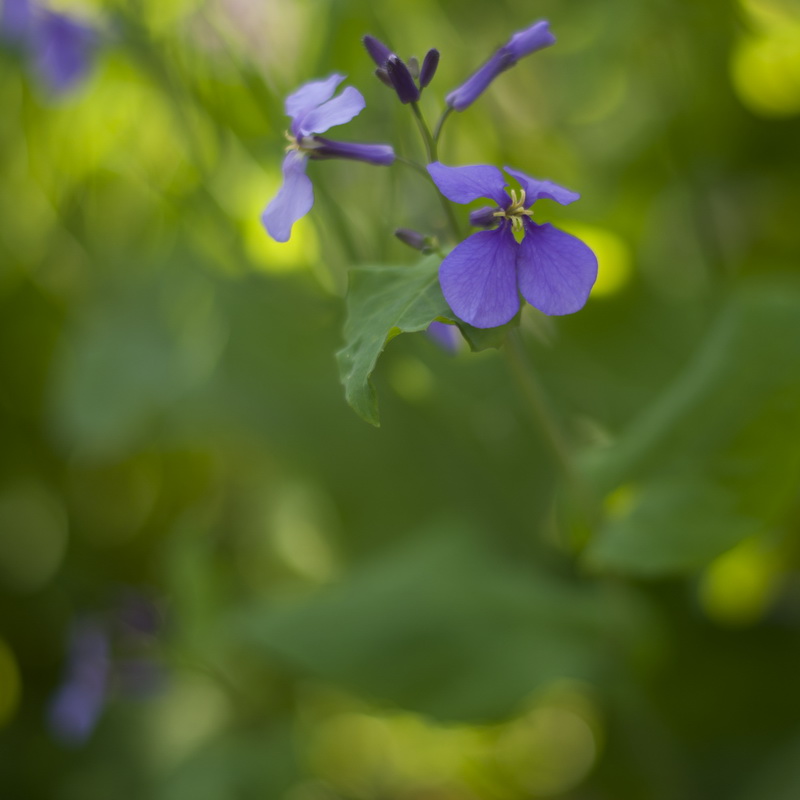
{"points": [[63, 50], [60, 47], [521, 44], [16, 20], [484, 275], [445, 335], [104, 655], [313, 112], [77, 705]]}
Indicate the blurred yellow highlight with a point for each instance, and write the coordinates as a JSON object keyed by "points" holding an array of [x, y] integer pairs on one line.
{"points": [[10, 684], [739, 586], [613, 256], [765, 66]]}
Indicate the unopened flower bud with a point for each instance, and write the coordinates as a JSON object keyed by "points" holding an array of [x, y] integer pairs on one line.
{"points": [[429, 64], [414, 239], [383, 77], [413, 67], [402, 81], [378, 51]]}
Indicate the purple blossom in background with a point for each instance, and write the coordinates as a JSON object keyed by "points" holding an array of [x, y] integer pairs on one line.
{"points": [[446, 336], [483, 276], [16, 20], [113, 653], [313, 112], [60, 47], [521, 44], [76, 707], [63, 50]]}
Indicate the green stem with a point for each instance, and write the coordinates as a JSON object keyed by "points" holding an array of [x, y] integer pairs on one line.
{"points": [[545, 421], [430, 144], [413, 164], [440, 124], [431, 150]]}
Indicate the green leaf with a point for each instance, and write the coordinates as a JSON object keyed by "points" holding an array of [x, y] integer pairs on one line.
{"points": [[715, 459], [383, 302], [486, 338], [446, 626]]}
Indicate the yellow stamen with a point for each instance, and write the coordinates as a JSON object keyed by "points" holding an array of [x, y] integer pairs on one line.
{"points": [[515, 211]]}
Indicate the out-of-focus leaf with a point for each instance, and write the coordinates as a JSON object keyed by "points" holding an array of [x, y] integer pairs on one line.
{"points": [[383, 302], [779, 778], [446, 627], [716, 458]]}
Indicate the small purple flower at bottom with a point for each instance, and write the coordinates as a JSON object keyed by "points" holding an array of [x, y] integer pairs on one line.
{"points": [[313, 112], [77, 705], [484, 275]]}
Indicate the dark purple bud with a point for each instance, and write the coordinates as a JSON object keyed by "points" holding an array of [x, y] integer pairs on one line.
{"points": [[520, 44], [413, 67], [378, 51], [413, 239], [379, 154], [401, 80], [429, 64], [383, 77], [483, 217]]}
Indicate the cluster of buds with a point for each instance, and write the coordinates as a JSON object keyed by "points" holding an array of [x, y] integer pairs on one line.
{"points": [[407, 79]]}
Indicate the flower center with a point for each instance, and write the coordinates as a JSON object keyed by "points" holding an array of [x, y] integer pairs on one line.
{"points": [[515, 211], [304, 144]]}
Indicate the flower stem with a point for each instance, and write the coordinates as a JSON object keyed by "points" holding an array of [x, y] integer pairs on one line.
{"points": [[542, 416], [432, 152], [440, 124]]}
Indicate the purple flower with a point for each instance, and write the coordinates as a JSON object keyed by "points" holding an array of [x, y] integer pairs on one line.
{"points": [[16, 20], [77, 705], [521, 44], [63, 49], [313, 111], [484, 275], [445, 335]]}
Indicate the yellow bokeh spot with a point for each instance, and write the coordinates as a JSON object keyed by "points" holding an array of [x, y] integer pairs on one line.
{"points": [[738, 587], [613, 256], [10, 684], [765, 67], [620, 502]]}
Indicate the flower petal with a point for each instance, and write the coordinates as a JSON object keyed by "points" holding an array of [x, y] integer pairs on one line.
{"points": [[380, 154], [536, 189], [310, 95], [64, 48], [537, 36], [335, 112], [465, 184], [555, 270], [293, 201], [479, 278]]}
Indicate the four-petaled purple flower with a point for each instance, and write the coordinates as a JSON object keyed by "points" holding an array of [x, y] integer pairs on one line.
{"points": [[521, 44], [484, 275], [313, 112]]}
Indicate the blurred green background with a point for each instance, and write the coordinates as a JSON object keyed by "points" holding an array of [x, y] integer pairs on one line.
{"points": [[417, 612]]}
